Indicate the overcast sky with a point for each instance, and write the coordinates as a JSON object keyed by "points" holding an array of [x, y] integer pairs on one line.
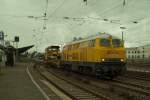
{"points": [[69, 18]]}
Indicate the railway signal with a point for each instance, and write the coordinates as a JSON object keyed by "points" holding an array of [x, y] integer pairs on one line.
{"points": [[1, 35], [16, 39]]}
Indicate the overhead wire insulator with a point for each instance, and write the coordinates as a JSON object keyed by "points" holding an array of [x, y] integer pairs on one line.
{"points": [[30, 16], [135, 22], [44, 27], [66, 17], [105, 19], [124, 3], [45, 14], [85, 1]]}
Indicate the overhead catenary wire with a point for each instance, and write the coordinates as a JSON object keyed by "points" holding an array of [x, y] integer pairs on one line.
{"points": [[111, 21], [72, 29], [107, 9], [46, 8], [12, 15], [78, 18], [124, 3], [44, 21], [46, 18], [115, 5], [45, 15], [86, 19], [57, 8]]}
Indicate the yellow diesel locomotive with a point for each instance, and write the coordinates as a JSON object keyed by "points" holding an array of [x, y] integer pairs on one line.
{"points": [[102, 55], [52, 55]]}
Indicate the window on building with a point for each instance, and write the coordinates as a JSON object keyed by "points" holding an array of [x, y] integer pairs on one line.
{"points": [[128, 51], [143, 56]]}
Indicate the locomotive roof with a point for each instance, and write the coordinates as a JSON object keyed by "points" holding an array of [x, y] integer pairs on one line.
{"points": [[101, 35], [57, 47]]}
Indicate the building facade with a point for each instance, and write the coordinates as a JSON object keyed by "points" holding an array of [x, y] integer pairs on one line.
{"points": [[138, 53], [2, 58]]}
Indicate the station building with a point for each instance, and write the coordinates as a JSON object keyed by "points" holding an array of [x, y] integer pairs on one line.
{"points": [[138, 53], [2, 58]]}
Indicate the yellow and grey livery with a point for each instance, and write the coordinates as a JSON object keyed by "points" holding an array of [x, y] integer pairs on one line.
{"points": [[102, 55], [52, 55]]}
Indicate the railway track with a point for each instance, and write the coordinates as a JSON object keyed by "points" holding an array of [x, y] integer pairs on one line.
{"points": [[138, 75], [131, 87], [76, 90], [125, 85], [71, 89], [134, 84]]}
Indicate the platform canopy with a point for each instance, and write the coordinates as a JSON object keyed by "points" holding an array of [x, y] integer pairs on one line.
{"points": [[19, 50]]}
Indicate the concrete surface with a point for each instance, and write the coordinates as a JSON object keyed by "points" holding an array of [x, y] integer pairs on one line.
{"points": [[15, 84]]}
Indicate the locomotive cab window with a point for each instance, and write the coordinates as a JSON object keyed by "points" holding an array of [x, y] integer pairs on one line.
{"points": [[105, 42], [117, 43]]}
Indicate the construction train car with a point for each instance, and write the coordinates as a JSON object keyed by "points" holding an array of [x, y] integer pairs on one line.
{"points": [[52, 55], [102, 55]]}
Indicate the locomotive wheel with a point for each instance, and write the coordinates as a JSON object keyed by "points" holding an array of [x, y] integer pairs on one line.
{"points": [[87, 70], [99, 72], [80, 69]]}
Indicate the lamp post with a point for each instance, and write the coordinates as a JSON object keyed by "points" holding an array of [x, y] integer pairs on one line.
{"points": [[122, 32]]}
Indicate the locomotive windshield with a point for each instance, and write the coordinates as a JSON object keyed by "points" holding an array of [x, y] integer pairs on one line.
{"points": [[53, 48], [105, 42], [117, 43]]}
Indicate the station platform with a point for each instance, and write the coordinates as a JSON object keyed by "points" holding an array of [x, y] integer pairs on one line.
{"points": [[15, 84]]}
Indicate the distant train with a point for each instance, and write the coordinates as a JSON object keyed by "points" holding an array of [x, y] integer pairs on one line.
{"points": [[52, 55], [102, 55]]}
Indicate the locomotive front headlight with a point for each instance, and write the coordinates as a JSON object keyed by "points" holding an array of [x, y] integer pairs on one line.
{"points": [[103, 59], [121, 60]]}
